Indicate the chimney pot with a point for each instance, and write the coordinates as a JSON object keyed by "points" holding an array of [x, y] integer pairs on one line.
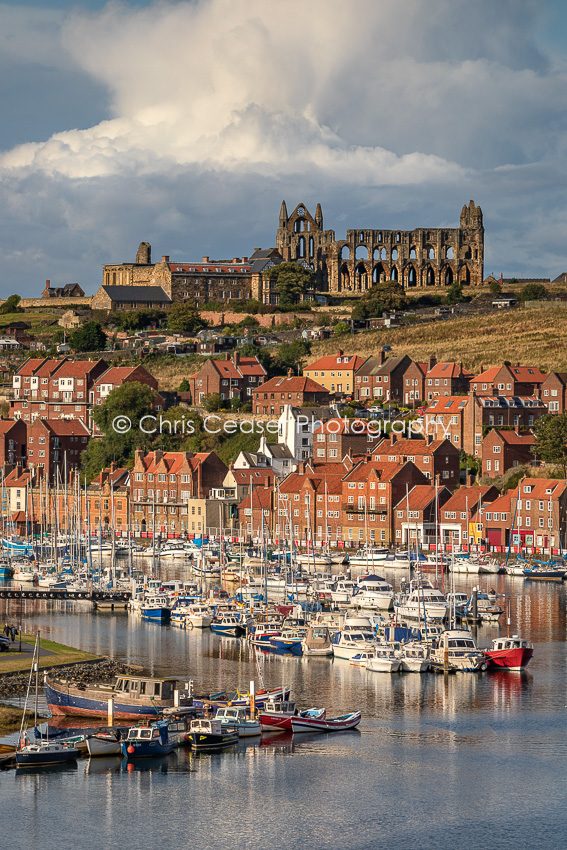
{"points": [[165, 258], [205, 259], [47, 284]]}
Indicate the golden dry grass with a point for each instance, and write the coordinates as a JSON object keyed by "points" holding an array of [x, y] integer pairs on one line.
{"points": [[532, 336]]}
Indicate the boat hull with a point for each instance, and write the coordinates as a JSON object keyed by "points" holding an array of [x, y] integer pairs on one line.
{"points": [[510, 659], [333, 724], [103, 745], [208, 742], [146, 749], [39, 758], [73, 701]]}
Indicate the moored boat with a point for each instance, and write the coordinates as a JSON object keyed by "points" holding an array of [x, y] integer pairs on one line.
{"points": [[147, 741], [209, 735], [133, 696], [45, 753], [325, 724], [236, 718], [317, 642], [510, 653], [276, 716]]}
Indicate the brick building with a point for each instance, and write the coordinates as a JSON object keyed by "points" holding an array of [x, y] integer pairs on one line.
{"points": [[13, 443], [174, 487], [335, 439], [531, 518], [416, 516], [308, 504], [55, 446], [336, 372], [234, 377], [508, 380], [381, 378], [446, 379], [461, 517], [414, 382], [272, 396], [436, 459], [502, 450], [115, 377], [554, 392], [256, 513]]}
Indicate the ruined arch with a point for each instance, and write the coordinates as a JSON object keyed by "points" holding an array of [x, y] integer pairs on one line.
{"points": [[344, 277], [299, 225], [447, 276], [412, 253], [411, 275], [344, 253], [361, 277], [301, 247], [429, 276], [311, 247], [449, 252], [361, 252], [466, 252], [383, 254], [378, 273], [393, 273], [465, 275], [430, 250], [394, 253]]}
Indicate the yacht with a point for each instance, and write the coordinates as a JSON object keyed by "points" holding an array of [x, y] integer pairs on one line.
{"points": [[351, 643], [317, 641], [422, 602], [368, 556], [414, 657], [376, 593], [459, 649], [173, 550], [385, 660], [343, 591]]}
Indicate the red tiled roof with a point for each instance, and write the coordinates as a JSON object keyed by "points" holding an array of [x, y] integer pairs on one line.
{"points": [[487, 376], [115, 375], [258, 476], [295, 482], [449, 370], [447, 404], [29, 367], [418, 498], [540, 485], [382, 470], [354, 427], [66, 427], [468, 495], [406, 447], [76, 368], [528, 374], [291, 385], [514, 439], [336, 361], [261, 498], [246, 366]]}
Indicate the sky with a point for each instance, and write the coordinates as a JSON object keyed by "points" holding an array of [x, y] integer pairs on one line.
{"points": [[185, 125]]}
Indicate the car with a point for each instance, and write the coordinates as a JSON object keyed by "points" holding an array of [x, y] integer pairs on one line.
{"points": [[4, 643]]}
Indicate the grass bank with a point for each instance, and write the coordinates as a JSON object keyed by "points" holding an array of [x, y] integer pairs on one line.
{"points": [[20, 662], [531, 336], [11, 718]]}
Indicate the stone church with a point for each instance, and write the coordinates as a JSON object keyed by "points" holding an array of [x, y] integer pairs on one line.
{"points": [[420, 258]]}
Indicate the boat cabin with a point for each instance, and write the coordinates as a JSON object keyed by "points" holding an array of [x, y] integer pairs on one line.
{"points": [[231, 714], [280, 707], [204, 726], [514, 642], [162, 689], [156, 731]]}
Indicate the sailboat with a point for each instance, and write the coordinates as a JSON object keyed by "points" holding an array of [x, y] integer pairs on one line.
{"points": [[40, 753]]}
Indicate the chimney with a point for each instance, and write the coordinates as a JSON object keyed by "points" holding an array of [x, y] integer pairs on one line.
{"points": [[432, 362], [508, 363], [227, 355], [235, 259], [392, 438], [381, 356], [158, 456], [47, 284], [469, 480], [165, 258], [236, 358], [112, 466], [266, 484], [339, 353], [244, 259], [205, 259]]}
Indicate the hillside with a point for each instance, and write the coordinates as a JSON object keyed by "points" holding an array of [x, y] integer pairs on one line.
{"points": [[532, 335]]}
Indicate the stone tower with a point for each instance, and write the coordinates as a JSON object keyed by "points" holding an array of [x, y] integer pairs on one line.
{"points": [[144, 255]]}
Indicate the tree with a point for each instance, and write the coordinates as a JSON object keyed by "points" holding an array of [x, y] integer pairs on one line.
{"points": [[389, 294], [184, 386], [365, 310], [341, 328], [10, 305], [292, 281], [551, 440], [495, 287], [291, 354], [132, 400], [213, 401], [533, 292], [249, 349], [455, 293], [89, 337], [185, 317]]}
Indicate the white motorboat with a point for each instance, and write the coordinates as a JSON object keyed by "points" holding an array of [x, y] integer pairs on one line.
{"points": [[104, 744], [459, 649], [422, 602], [317, 642], [384, 661], [205, 568], [314, 559], [368, 556], [361, 659], [343, 591], [517, 569], [236, 718], [414, 657], [376, 594], [173, 550], [352, 643]]}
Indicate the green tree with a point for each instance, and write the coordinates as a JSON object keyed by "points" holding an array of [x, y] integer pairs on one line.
{"points": [[389, 293], [365, 310], [235, 403], [184, 386], [455, 293], [185, 317], [341, 328], [89, 337], [249, 349], [495, 287], [291, 354], [551, 440], [533, 292], [132, 399], [292, 281], [10, 305], [212, 402]]}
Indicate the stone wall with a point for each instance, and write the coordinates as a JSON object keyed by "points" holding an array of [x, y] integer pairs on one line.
{"points": [[50, 303], [266, 321]]}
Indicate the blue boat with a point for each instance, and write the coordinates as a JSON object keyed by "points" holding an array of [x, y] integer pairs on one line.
{"points": [[156, 608], [230, 625], [135, 697], [6, 572], [148, 741]]}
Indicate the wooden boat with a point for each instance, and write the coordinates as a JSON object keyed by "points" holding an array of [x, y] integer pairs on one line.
{"points": [[240, 699], [134, 697], [325, 724], [276, 716], [105, 744], [509, 653], [235, 718], [148, 741], [207, 735]]}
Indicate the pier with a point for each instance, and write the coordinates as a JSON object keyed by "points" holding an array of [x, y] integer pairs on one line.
{"points": [[100, 598]]}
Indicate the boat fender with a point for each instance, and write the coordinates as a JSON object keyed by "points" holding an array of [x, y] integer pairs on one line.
{"points": [[484, 666], [130, 749], [23, 742]]}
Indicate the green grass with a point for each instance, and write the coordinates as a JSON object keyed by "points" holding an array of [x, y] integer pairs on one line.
{"points": [[18, 662], [239, 442]]}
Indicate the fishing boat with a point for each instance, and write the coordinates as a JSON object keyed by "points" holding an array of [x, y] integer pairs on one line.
{"points": [[105, 743], [133, 696], [260, 634], [228, 624], [148, 741], [290, 640], [317, 642], [325, 724], [459, 649], [276, 715], [240, 699], [6, 571], [156, 608], [510, 653], [236, 718], [206, 735]]}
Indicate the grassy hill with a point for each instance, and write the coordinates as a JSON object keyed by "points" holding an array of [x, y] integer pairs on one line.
{"points": [[534, 336]]}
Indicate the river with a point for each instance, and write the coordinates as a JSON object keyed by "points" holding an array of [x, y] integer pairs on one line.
{"points": [[464, 761]]}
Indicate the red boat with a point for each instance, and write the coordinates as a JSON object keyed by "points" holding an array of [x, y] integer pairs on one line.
{"points": [[276, 716], [322, 724], [511, 653]]}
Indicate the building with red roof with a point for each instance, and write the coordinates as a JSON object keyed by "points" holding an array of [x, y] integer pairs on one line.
{"points": [[461, 516], [446, 379], [334, 439], [336, 372], [438, 459], [416, 516], [503, 450], [233, 377], [272, 396], [554, 392], [508, 380], [529, 519], [414, 381]]}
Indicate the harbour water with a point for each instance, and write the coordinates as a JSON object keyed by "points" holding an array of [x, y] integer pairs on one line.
{"points": [[463, 761]]}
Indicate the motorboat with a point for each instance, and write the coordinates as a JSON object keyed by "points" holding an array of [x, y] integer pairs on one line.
{"points": [[317, 642], [486, 608], [516, 569], [314, 559], [105, 743], [545, 572], [43, 753], [422, 601], [367, 556], [206, 568], [156, 608], [206, 735], [510, 653], [147, 741], [228, 624], [458, 648], [414, 657], [290, 640], [259, 634], [276, 716], [237, 718], [362, 658], [350, 643], [376, 594], [173, 550], [384, 660], [325, 724], [199, 616], [343, 591]]}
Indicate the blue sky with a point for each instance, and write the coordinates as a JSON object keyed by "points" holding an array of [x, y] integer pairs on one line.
{"points": [[185, 124]]}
